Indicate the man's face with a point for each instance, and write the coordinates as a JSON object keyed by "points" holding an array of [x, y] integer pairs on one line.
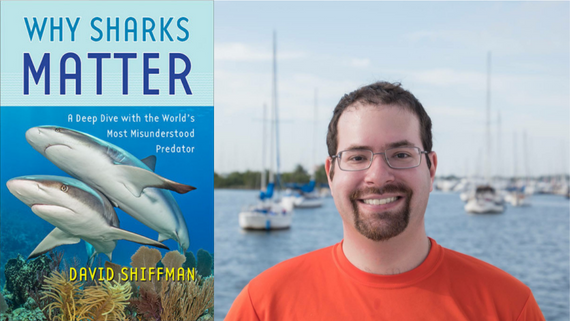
{"points": [[380, 202]]}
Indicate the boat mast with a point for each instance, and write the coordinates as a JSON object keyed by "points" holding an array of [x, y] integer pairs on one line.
{"points": [[499, 152], [488, 138], [275, 104], [263, 178], [525, 157], [515, 155], [314, 164]]}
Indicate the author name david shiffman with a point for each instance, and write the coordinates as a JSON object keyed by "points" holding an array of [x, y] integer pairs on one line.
{"points": [[133, 274]]}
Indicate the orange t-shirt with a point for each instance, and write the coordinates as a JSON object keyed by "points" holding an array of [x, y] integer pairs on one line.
{"points": [[324, 285]]}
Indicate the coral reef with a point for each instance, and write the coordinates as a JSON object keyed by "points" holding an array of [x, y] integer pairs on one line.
{"points": [[205, 262], [65, 294], [190, 261], [21, 276], [116, 270], [163, 300], [18, 235], [187, 300], [105, 303], [3, 304], [147, 305], [38, 291], [146, 257], [23, 314]]}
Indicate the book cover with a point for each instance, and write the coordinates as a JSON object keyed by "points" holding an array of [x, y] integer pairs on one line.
{"points": [[107, 160]]}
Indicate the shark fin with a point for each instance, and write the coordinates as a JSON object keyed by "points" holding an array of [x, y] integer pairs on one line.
{"points": [[150, 162], [136, 179], [91, 259], [55, 238], [162, 237], [110, 255], [91, 253], [120, 234]]}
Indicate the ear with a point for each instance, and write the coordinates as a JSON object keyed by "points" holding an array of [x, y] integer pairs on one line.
{"points": [[433, 158], [328, 164]]}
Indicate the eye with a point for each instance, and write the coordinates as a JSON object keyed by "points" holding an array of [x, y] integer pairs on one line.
{"points": [[357, 158], [64, 188], [402, 155], [57, 129]]}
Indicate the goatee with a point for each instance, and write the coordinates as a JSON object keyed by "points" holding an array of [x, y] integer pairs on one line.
{"points": [[385, 225]]}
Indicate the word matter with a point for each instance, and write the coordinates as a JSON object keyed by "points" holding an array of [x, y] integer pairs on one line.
{"points": [[75, 75]]}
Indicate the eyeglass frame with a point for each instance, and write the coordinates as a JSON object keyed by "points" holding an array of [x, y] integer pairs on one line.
{"points": [[380, 153]]}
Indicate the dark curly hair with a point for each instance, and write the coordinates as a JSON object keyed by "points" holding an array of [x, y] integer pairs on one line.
{"points": [[381, 93]]}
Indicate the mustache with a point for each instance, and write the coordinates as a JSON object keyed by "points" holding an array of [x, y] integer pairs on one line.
{"points": [[389, 188]]}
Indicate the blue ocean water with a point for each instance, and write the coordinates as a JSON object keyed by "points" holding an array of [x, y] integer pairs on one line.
{"points": [[531, 243], [21, 230]]}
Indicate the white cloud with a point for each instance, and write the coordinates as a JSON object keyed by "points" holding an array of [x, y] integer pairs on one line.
{"points": [[447, 77], [356, 62], [507, 30], [236, 51]]}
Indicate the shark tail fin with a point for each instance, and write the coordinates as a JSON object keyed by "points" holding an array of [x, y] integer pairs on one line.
{"points": [[120, 234], [55, 238], [136, 179]]}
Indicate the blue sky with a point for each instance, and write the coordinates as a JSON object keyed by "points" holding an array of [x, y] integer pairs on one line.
{"points": [[437, 50]]}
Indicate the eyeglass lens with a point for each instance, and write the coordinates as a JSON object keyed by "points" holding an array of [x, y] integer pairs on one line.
{"points": [[361, 159]]}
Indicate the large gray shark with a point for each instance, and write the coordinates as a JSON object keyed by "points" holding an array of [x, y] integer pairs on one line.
{"points": [[76, 210], [128, 182]]}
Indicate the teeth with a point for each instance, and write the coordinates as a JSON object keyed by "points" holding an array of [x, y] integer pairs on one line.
{"points": [[382, 201]]}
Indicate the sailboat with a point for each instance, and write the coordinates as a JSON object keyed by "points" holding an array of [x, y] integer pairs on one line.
{"points": [[517, 191], [305, 195], [302, 196], [486, 200], [268, 213]]}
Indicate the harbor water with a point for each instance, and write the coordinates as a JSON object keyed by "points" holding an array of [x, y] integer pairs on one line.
{"points": [[531, 243]]}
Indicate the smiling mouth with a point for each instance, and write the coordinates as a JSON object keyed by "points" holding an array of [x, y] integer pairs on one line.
{"points": [[380, 201]]}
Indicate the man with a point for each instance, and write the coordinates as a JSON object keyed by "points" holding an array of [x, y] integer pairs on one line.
{"points": [[381, 170]]}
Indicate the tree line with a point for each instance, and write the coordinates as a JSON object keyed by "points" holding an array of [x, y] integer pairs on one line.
{"points": [[252, 179]]}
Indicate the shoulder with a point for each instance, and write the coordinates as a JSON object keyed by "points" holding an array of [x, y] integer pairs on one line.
{"points": [[480, 286], [274, 294], [475, 272]]}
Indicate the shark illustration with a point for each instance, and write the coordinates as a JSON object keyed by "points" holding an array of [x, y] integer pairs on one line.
{"points": [[129, 183], [76, 210]]}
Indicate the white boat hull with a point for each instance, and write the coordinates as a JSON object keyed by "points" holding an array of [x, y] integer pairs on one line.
{"points": [[483, 207], [265, 220], [309, 203], [290, 202]]}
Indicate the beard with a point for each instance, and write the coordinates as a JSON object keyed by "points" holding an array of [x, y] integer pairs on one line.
{"points": [[386, 225]]}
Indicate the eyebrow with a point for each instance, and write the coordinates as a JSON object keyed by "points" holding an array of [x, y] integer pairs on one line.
{"points": [[399, 143]]}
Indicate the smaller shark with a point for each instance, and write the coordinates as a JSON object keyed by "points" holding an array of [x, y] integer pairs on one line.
{"points": [[76, 210]]}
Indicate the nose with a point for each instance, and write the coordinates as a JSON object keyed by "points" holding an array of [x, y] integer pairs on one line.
{"points": [[34, 131], [379, 172]]}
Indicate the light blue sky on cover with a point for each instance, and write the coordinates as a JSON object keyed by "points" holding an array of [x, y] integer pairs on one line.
{"points": [[437, 50]]}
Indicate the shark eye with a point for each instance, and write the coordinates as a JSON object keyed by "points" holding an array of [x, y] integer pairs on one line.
{"points": [[58, 130], [64, 188]]}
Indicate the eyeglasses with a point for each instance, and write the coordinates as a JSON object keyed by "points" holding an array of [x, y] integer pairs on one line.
{"points": [[397, 158]]}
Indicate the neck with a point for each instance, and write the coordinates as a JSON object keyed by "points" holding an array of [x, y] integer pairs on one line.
{"points": [[397, 255]]}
